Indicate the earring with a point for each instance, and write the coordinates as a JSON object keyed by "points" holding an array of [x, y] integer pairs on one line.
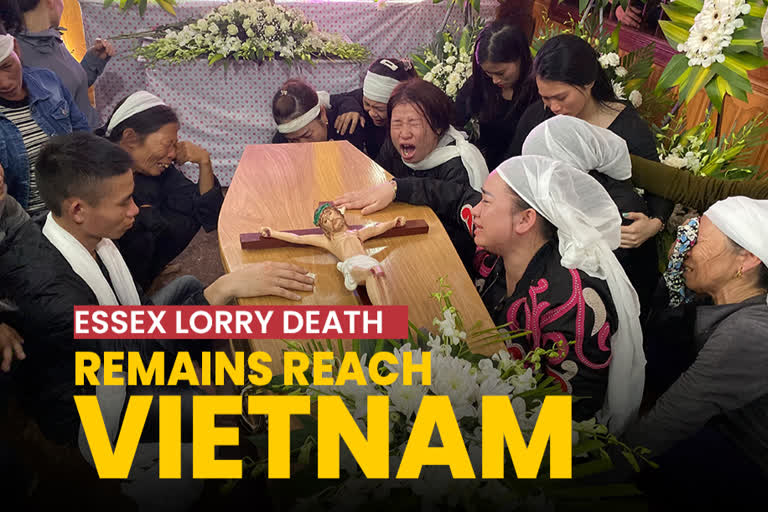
{"points": [[738, 274]]}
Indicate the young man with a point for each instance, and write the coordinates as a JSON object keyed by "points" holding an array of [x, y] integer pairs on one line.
{"points": [[87, 184]]}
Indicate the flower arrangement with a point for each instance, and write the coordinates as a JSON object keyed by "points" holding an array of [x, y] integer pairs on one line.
{"points": [[465, 377], [447, 63], [720, 41], [696, 150], [125, 5], [247, 30]]}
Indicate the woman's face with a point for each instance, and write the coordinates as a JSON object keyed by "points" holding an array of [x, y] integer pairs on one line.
{"points": [[712, 262], [411, 134], [315, 131], [156, 152], [493, 216], [503, 74], [11, 80], [377, 111], [562, 98]]}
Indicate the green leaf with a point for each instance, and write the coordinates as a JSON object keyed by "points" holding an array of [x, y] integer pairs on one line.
{"points": [[716, 91], [733, 77], [142, 7], [698, 78], [676, 66], [107, 3], [696, 5], [680, 14], [167, 6], [214, 58], [743, 61], [674, 33]]}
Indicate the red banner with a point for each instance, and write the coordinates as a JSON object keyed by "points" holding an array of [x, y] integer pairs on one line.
{"points": [[241, 322]]}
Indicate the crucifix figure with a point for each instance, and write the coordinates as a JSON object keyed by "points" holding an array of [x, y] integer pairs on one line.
{"points": [[347, 245]]}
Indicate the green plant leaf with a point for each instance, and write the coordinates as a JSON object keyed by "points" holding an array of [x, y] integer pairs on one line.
{"points": [[674, 33], [676, 66], [167, 6], [716, 91], [680, 14], [142, 7]]}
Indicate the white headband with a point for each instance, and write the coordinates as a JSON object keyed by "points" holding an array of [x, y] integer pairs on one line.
{"points": [[6, 46], [743, 220], [133, 104], [378, 87], [323, 99]]}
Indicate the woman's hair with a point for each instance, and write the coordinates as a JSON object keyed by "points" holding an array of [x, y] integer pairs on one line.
{"points": [[144, 123], [762, 269], [501, 42], [294, 99], [517, 12], [546, 228], [12, 13], [426, 97], [569, 59], [402, 70]]}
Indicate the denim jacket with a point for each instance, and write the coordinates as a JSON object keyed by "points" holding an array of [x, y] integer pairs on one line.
{"points": [[54, 111]]}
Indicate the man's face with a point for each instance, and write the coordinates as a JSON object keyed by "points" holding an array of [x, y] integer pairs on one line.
{"points": [[11, 81], [114, 212], [332, 221]]}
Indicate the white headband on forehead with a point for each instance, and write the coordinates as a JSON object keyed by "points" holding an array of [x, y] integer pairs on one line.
{"points": [[133, 104], [744, 221], [6, 46], [323, 99], [589, 229], [378, 87]]}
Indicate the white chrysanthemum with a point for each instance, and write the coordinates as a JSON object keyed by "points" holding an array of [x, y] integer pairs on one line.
{"points": [[620, 71], [636, 98], [609, 60], [213, 28], [232, 30], [618, 90], [269, 31], [452, 377], [451, 60], [250, 33], [406, 399], [712, 31], [202, 24], [428, 77]]}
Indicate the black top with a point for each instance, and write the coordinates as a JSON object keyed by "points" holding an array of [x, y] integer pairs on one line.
{"points": [[495, 133], [412, 184], [373, 136], [39, 280], [628, 125], [171, 212], [340, 104], [556, 304]]}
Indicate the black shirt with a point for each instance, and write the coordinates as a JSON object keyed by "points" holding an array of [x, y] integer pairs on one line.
{"points": [[373, 136]]}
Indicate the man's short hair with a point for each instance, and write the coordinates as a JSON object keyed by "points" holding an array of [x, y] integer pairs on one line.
{"points": [[74, 165]]}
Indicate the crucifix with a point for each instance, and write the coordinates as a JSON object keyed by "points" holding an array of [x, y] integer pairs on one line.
{"points": [[346, 243]]}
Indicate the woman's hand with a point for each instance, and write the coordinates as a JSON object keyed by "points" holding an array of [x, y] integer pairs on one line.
{"points": [[639, 231], [370, 201], [10, 346], [348, 120], [103, 49], [189, 152], [631, 17]]}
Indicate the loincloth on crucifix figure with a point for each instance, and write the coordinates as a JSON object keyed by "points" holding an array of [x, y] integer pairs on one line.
{"points": [[346, 244]]}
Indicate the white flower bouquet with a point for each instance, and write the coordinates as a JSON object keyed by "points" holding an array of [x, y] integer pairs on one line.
{"points": [[246, 30], [465, 378], [447, 63]]}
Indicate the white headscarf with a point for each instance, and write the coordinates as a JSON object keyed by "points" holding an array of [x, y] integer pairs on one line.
{"points": [[581, 145], [133, 104], [379, 87], [589, 229], [6, 46], [471, 157], [745, 221], [323, 99]]}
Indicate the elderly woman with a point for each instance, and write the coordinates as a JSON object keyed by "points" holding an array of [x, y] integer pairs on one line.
{"points": [[710, 426], [172, 209], [423, 150], [604, 155], [371, 102], [305, 115], [34, 105]]}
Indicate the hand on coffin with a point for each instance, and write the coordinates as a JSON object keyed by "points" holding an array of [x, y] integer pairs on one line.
{"points": [[259, 280], [369, 201]]}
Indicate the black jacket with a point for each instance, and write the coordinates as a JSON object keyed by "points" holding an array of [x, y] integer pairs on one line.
{"points": [[41, 283], [340, 104], [171, 212], [373, 136]]}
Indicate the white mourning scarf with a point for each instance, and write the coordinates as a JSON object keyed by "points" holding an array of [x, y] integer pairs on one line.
{"points": [[6, 46], [143, 485], [589, 229], [745, 221], [471, 157], [379, 87], [133, 104], [323, 99], [581, 145]]}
